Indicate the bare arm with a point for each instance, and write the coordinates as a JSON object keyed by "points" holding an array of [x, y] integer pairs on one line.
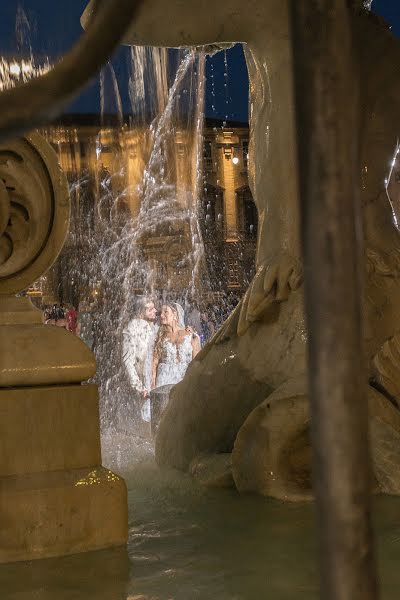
{"points": [[195, 345]]}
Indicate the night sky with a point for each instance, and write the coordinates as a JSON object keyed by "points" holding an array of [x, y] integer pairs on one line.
{"points": [[53, 25]]}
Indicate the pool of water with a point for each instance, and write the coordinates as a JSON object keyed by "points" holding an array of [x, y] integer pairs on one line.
{"points": [[187, 542]]}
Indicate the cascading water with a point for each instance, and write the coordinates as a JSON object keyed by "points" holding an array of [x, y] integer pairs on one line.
{"points": [[134, 225], [135, 216], [141, 235]]}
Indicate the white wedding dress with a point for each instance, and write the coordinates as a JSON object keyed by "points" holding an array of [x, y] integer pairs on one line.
{"points": [[174, 360]]}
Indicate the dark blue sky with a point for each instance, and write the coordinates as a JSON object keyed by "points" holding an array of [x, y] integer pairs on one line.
{"points": [[54, 26]]}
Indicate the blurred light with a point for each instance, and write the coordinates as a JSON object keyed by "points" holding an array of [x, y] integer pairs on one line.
{"points": [[235, 160], [15, 71]]}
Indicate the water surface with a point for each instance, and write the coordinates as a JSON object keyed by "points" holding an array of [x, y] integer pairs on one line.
{"points": [[187, 542]]}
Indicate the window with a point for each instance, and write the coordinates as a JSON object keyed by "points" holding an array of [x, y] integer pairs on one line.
{"points": [[248, 216], [212, 211], [245, 153], [208, 156]]}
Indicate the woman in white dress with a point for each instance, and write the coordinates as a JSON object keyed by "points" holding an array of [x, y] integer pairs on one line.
{"points": [[175, 347]]}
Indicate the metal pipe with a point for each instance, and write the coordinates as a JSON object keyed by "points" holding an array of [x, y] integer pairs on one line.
{"points": [[327, 90], [37, 102]]}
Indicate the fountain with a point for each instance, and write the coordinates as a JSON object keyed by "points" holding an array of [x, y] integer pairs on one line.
{"points": [[261, 349], [139, 234], [241, 415]]}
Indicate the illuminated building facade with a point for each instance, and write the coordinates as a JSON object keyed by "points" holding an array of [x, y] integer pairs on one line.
{"points": [[106, 161], [228, 213], [96, 158]]}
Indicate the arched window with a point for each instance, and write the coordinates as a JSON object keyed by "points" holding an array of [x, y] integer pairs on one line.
{"points": [[247, 214]]}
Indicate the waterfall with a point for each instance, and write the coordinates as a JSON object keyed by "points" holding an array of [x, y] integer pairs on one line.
{"points": [[135, 225]]}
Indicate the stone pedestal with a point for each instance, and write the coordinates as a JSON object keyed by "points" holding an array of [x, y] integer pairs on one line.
{"points": [[55, 496]]}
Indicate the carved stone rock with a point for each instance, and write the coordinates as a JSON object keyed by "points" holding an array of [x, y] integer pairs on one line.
{"points": [[213, 470], [259, 355]]}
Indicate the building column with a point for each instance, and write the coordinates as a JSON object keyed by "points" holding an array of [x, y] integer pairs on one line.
{"points": [[226, 141]]}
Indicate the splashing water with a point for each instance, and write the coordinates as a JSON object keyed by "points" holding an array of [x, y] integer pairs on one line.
{"points": [[135, 186], [116, 96], [134, 222], [135, 225]]}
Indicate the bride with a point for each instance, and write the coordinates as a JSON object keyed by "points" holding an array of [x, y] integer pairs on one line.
{"points": [[175, 347]]}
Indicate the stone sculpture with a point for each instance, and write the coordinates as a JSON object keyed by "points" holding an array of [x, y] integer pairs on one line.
{"points": [[55, 497], [246, 395]]}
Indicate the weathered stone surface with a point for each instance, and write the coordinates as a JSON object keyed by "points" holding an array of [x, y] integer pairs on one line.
{"points": [[272, 452], [43, 355], [213, 470], [62, 512], [204, 420], [19, 311], [48, 429], [385, 442], [35, 222], [386, 367]]}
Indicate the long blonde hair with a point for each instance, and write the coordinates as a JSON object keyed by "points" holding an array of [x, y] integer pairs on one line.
{"points": [[163, 330]]}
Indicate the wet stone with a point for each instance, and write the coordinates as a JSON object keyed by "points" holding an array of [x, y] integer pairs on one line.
{"points": [[213, 470]]}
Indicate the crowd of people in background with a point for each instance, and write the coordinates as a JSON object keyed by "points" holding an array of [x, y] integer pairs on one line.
{"points": [[204, 320], [78, 322], [207, 319]]}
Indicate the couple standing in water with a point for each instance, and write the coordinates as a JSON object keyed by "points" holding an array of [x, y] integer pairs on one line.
{"points": [[155, 356]]}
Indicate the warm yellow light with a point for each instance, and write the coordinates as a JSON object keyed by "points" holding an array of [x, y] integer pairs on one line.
{"points": [[15, 69]]}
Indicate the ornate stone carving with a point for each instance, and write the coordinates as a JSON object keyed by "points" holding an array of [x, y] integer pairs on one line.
{"points": [[34, 213]]}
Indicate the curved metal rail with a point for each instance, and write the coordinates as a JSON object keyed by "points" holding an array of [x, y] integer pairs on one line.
{"points": [[37, 102]]}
